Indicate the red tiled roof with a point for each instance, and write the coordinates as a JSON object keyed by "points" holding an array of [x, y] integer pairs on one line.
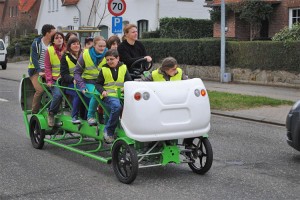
{"points": [[69, 2], [26, 5]]}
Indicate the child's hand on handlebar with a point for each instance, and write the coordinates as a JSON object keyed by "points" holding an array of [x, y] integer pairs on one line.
{"points": [[104, 94]]}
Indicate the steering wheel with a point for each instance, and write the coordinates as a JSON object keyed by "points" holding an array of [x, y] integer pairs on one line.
{"points": [[138, 67]]}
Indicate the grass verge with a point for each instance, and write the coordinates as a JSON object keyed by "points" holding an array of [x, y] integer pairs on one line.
{"points": [[229, 101]]}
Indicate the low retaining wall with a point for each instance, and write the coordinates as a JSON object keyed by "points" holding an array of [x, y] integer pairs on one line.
{"points": [[239, 75]]}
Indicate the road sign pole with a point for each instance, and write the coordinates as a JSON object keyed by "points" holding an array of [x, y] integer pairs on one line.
{"points": [[222, 61]]}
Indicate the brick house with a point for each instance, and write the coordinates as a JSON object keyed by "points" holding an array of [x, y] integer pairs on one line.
{"points": [[285, 13], [18, 16]]}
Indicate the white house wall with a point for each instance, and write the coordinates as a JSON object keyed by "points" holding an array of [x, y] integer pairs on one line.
{"points": [[150, 10]]}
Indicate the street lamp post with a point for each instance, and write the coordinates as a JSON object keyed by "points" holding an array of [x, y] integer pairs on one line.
{"points": [[222, 70]]}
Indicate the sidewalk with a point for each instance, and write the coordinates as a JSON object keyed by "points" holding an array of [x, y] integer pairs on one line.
{"points": [[273, 115]]}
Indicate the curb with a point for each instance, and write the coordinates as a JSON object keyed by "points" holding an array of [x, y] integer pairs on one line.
{"points": [[248, 118]]}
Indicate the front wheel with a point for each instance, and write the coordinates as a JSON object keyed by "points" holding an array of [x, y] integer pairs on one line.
{"points": [[125, 162], [4, 66], [201, 154], [37, 134]]}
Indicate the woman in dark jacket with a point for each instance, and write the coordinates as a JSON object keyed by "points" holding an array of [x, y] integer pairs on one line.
{"points": [[131, 49], [67, 67]]}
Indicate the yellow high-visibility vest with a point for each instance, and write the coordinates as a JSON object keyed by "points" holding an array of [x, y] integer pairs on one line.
{"points": [[71, 65], [110, 85], [91, 71], [160, 77], [54, 60]]}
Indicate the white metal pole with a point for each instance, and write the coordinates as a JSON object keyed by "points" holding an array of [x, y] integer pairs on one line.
{"points": [[222, 70]]}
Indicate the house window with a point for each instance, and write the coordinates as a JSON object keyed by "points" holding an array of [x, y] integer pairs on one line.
{"points": [[294, 16], [53, 6], [49, 5], [125, 22], [56, 5], [10, 12], [16, 10], [104, 31], [142, 27]]}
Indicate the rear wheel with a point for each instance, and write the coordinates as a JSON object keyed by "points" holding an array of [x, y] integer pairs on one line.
{"points": [[37, 134], [201, 154], [125, 162]]}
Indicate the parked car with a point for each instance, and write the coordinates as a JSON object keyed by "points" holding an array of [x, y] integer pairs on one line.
{"points": [[293, 126], [3, 55]]}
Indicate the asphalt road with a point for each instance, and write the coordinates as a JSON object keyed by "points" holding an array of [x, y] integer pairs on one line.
{"points": [[251, 161]]}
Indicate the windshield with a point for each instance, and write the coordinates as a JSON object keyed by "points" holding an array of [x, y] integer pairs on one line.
{"points": [[1, 45]]}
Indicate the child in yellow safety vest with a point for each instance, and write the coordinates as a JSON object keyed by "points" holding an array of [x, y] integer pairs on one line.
{"points": [[169, 71], [52, 73], [86, 72], [111, 78]]}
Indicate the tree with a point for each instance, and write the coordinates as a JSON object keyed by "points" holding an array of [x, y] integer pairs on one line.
{"points": [[253, 12]]}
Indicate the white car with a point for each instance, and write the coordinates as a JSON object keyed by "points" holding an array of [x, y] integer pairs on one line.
{"points": [[3, 55]]}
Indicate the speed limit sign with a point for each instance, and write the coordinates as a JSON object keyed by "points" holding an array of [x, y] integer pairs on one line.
{"points": [[116, 7]]}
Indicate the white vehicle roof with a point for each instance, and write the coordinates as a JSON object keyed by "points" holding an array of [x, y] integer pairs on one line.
{"points": [[173, 111]]}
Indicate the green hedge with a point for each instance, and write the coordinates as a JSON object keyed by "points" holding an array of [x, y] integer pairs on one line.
{"points": [[185, 28], [264, 55], [186, 51]]}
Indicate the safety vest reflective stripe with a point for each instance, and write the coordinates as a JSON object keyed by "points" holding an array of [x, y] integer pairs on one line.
{"points": [[71, 66], [110, 85], [160, 77], [30, 66], [110, 91], [115, 83], [91, 71], [54, 60], [90, 68]]}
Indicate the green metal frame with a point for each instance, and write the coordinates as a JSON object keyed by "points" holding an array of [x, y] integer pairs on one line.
{"points": [[74, 136]]}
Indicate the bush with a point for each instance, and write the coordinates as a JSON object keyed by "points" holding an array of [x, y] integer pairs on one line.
{"points": [[264, 55], [287, 34], [185, 28], [186, 51], [151, 34]]}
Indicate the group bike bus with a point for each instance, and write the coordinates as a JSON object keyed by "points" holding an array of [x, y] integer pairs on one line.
{"points": [[161, 123]]}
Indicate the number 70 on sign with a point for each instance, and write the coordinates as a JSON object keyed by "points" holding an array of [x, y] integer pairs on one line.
{"points": [[116, 7]]}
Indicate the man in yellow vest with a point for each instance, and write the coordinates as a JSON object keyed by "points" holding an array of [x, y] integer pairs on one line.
{"points": [[111, 78], [169, 71]]}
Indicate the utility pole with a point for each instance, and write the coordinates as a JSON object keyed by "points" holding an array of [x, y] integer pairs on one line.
{"points": [[222, 70]]}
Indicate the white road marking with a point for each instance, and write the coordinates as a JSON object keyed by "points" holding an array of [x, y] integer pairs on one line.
{"points": [[4, 100]]}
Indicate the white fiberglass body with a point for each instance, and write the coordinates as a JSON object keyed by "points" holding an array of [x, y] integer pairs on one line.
{"points": [[166, 110]]}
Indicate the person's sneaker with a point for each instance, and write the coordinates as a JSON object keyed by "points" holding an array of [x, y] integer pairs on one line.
{"points": [[92, 121], [108, 139], [75, 120], [50, 119]]}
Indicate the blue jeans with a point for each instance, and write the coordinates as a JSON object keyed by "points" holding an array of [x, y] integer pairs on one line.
{"points": [[56, 100], [76, 102], [114, 106], [93, 102]]}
